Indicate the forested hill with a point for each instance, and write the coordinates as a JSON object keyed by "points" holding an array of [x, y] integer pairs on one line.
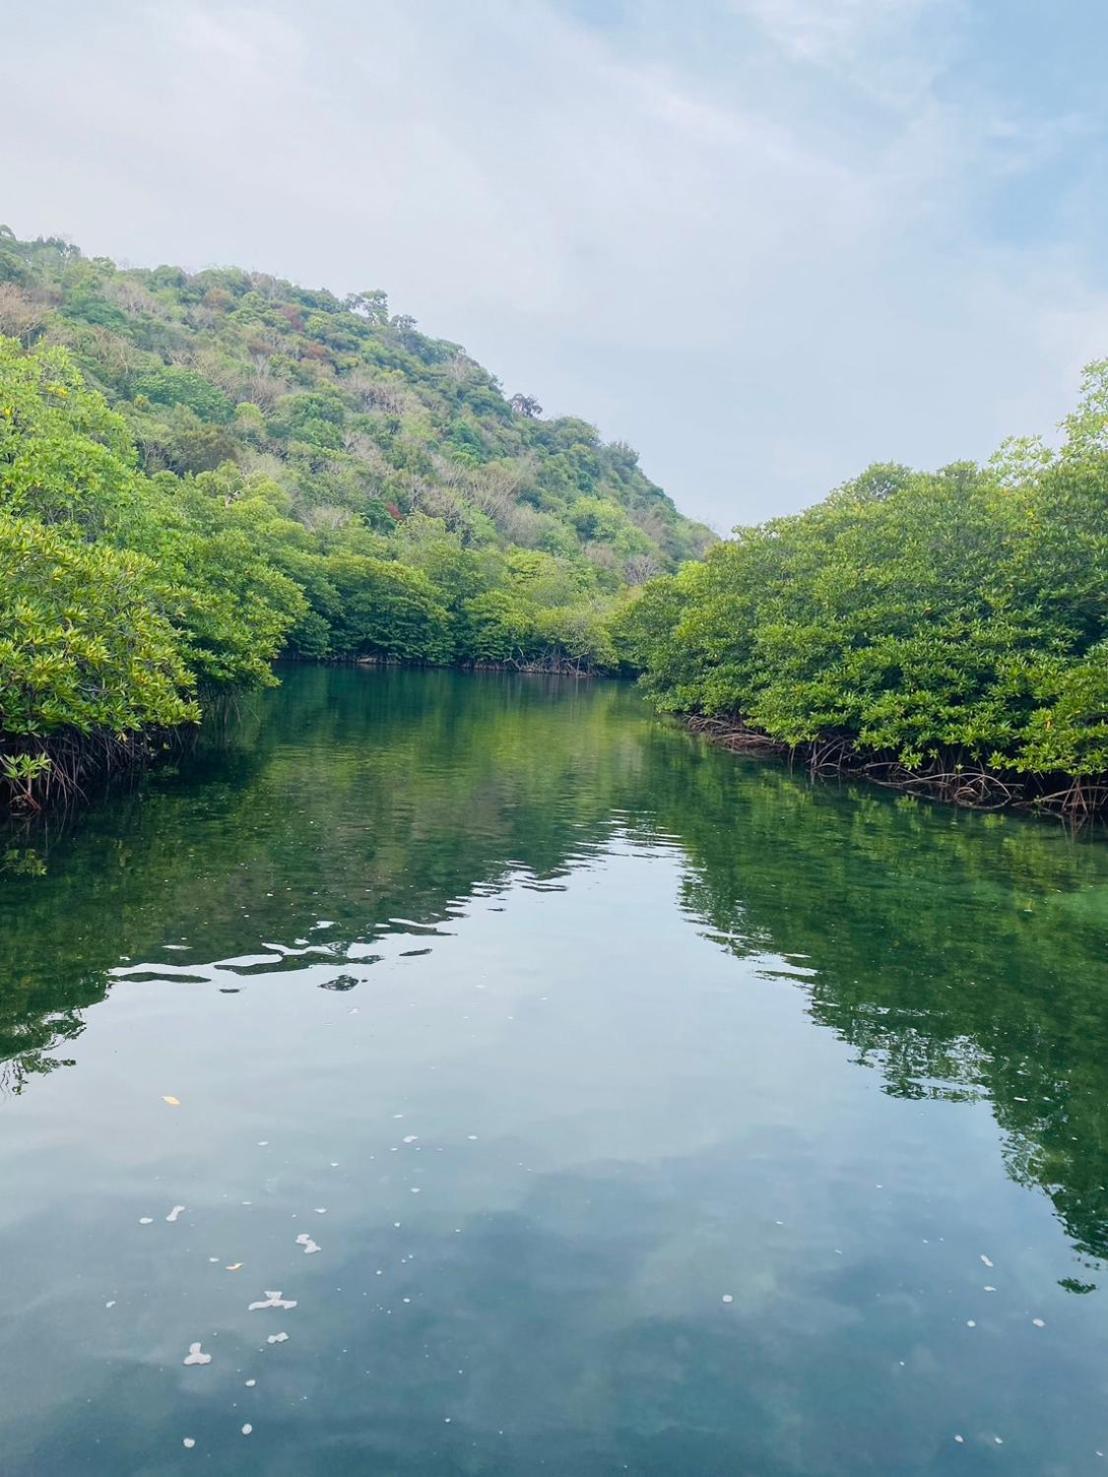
{"points": [[200, 472], [350, 410]]}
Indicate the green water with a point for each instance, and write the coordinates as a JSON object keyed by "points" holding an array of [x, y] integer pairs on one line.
{"points": [[652, 1111]]}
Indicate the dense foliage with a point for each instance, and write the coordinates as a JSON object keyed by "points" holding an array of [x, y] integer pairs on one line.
{"points": [[935, 623], [199, 473]]}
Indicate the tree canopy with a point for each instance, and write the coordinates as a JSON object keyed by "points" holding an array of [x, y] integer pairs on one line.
{"points": [[939, 621]]}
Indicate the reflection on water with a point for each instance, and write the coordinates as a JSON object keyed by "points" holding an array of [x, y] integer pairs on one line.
{"points": [[438, 1074]]}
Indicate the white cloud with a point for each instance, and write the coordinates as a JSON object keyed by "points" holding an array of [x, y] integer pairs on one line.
{"points": [[828, 31], [761, 281]]}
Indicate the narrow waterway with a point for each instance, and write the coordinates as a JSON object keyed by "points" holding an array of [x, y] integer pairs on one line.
{"points": [[573, 1097]]}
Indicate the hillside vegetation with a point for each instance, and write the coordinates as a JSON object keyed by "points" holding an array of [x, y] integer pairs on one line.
{"points": [[201, 472], [946, 632]]}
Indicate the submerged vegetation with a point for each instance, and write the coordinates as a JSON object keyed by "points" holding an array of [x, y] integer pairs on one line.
{"points": [[942, 632], [199, 473]]}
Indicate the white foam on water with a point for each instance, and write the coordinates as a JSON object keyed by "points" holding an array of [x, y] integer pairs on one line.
{"points": [[273, 1300]]}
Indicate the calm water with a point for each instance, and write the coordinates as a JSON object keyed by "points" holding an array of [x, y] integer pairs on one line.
{"points": [[651, 1111]]}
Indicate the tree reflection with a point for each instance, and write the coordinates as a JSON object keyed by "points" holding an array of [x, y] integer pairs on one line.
{"points": [[960, 955]]}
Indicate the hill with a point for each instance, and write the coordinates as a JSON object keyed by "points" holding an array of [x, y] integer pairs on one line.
{"points": [[200, 472], [350, 409]]}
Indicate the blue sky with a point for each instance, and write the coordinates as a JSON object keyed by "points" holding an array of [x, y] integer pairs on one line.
{"points": [[765, 241]]}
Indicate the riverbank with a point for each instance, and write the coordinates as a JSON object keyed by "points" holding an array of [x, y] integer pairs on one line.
{"points": [[950, 779]]}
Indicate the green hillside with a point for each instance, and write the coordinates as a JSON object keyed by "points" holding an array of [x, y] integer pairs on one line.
{"points": [[357, 416], [201, 472]]}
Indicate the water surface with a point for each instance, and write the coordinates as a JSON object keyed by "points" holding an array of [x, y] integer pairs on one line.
{"points": [[651, 1110]]}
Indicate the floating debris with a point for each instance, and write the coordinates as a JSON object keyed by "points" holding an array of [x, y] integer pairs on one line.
{"points": [[146, 1220], [196, 1355], [321, 1210], [277, 1338], [250, 1384], [188, 1443], [989, 1287], [727, 1298], [111, 1304], [1038, 1322], [247, 1429], [961, 1440], [174, 1213], [234, 1267], [410, 1138], [970, 1323], [273, 1300], [986, 1260], [307, 1243], [174, 1102]]}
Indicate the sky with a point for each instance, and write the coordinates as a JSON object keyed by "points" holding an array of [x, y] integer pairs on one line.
{"points": [[767, 242]]}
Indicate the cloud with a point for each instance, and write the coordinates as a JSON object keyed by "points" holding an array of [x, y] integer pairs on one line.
{"points": [[830, 32], [753, 244]]}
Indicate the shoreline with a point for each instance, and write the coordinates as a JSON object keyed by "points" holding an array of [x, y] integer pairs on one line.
{"points": [[950, 780]]}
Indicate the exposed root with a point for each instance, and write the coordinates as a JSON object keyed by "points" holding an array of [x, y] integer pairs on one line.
{"points": [[55, 772], [955, 779]]}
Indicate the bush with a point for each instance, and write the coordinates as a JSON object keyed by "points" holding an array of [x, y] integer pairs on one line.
{"points": [[83, 648], [959, 617]]}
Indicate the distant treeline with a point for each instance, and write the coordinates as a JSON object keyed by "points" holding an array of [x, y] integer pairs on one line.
{"points": [[944, 632], [199, 473]]}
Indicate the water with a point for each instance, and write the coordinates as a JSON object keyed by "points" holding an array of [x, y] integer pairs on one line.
{"points": [[651, 1110]]}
